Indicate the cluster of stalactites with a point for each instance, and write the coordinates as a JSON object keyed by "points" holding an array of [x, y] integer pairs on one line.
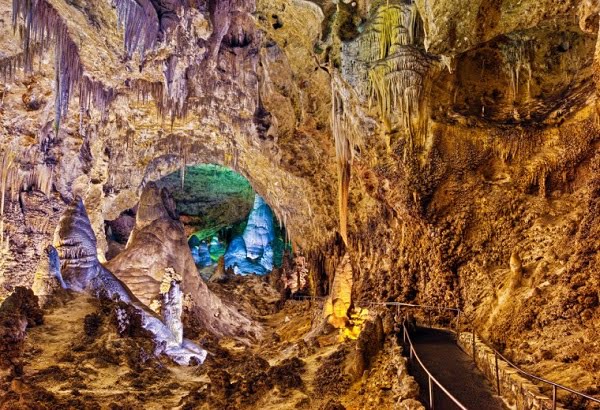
{"points": [[392, 27], [170, 97], [10, 64], [347, 138], [398, 84], [518, 58], [43, 24], [389, 69], [14, 180], [397, 75], [140, 22]]}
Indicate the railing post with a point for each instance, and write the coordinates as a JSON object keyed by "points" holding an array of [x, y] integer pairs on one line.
{"points": [[554, 397], [497, 372], [430, 393]]}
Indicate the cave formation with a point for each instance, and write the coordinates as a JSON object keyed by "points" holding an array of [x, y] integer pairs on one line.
{"points": [[215, 204]]}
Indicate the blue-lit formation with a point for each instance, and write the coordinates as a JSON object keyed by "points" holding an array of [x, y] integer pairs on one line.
{"points": [[251, 252]]}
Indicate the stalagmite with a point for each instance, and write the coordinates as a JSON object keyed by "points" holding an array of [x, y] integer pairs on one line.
{"points": [[158, 242], [82, 272], [340, 299], [172, 303], [253, 251], [48, 278]]}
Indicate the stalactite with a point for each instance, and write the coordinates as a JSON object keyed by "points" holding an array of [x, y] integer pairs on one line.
{"points": [[43, 178], [346, 137], [393, 26], [5, 172], [156, 90], [141, 25], [397, 84], [184, 151], [10, 64], [518, 58], [175, 97], [388, 68], [447, 62], [43, 24]]}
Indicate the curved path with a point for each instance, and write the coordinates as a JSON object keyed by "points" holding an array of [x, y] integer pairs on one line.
{"points": [[454, 369]]}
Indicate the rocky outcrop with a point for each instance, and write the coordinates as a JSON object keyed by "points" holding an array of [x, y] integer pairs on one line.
{"points": [[17, 313], [158, 243], [82, 272]]}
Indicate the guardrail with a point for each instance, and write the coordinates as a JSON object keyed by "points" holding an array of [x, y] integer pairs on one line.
{"points": [[497, 355], [412, 354]]}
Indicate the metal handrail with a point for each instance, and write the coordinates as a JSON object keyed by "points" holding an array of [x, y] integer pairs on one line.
{"points": [[497, 354], [430, 377]]}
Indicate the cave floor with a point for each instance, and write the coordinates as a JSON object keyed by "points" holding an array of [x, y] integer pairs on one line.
{"points": [[69, 366]]}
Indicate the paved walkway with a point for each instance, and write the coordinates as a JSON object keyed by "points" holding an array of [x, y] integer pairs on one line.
{"points": [[455, 371]]}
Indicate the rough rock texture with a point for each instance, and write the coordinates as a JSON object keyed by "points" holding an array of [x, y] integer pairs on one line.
{"points": [[157, 244], [17, 313], [82, 272], [453, 133]]}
